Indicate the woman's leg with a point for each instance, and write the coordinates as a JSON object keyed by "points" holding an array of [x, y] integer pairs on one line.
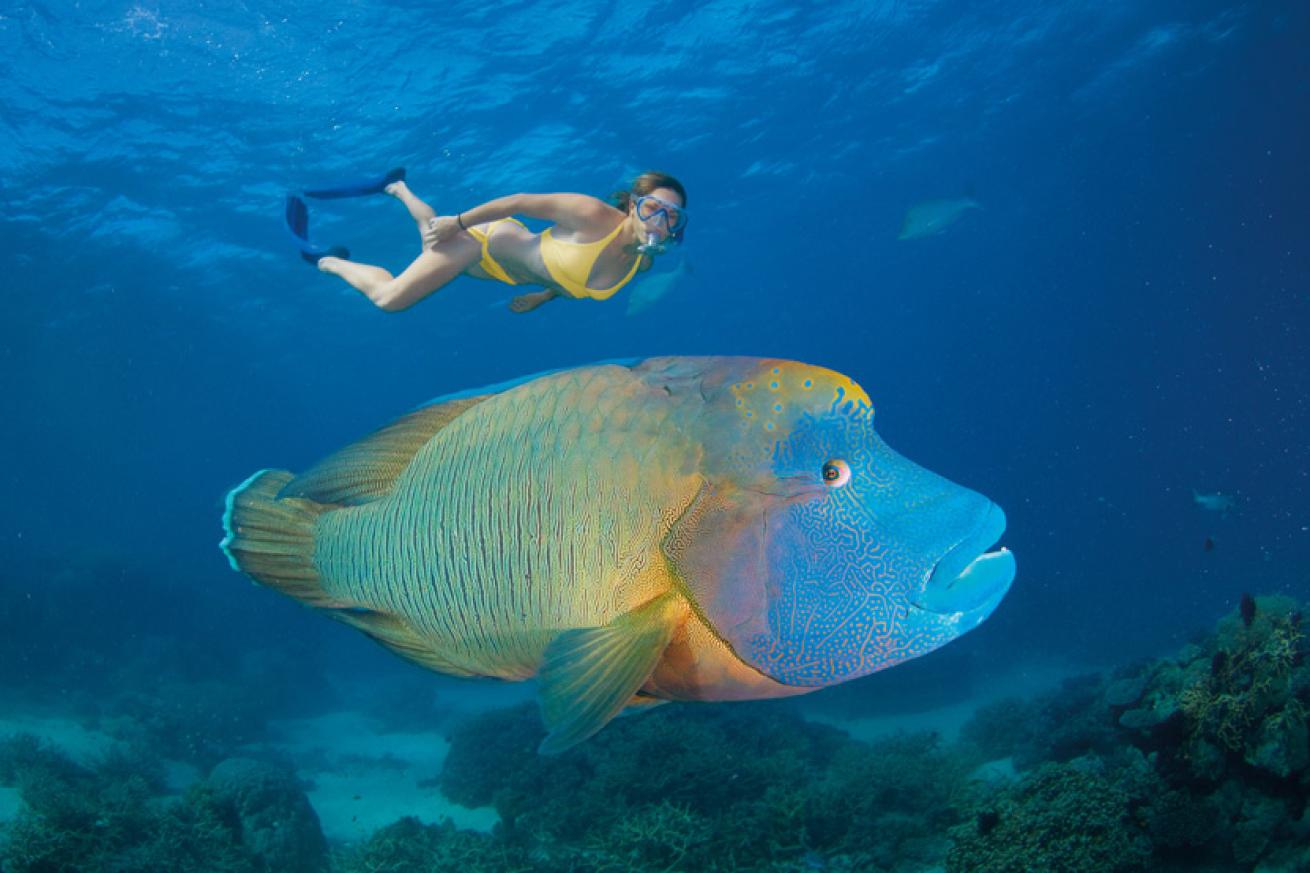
{"points": [[430, 271], [418, 210]]}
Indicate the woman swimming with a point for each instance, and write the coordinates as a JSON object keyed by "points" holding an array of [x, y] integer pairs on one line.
{"points": [[592, 250]]}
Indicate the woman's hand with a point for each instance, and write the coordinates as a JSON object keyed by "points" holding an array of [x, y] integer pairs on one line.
{"points": [[530, 301], [439, 229]]}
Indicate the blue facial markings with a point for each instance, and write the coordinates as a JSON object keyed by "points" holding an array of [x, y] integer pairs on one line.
{"points": [[839, 583]]}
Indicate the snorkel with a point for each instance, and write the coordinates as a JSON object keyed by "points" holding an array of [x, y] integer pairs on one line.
{"points": [[653, 245]]}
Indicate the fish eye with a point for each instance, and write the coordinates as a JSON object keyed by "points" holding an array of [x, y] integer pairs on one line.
{"points": [[836, 473]]}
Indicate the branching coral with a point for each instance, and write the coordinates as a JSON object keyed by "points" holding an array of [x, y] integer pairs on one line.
{"points": [[1248, 681], [657, 837], [1062, 819], [409, 846]]}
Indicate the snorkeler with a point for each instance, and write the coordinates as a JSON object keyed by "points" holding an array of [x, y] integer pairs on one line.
{"points": [[592, 250]]}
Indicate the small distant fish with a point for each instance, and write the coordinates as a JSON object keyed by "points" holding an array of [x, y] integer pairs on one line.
{"points": [[932, 217], [1247, 609], [1216, 502], [1208, 545], [651, 289]]}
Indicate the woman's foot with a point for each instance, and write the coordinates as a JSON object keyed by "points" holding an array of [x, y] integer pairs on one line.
{"points": [[329, 264], [529, 302], [418, 210]]}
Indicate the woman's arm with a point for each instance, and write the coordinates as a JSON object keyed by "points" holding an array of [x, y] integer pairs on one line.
{"points": [[573, 212], [569, 211]]}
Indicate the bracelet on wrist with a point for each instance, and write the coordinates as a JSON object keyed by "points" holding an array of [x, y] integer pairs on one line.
{"points": [[459, 219]]}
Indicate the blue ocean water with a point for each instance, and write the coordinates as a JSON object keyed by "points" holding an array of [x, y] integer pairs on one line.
{"points": [[1122, 323]]}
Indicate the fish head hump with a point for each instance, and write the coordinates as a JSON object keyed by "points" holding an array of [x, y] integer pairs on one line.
{"points": [[815, 551]]}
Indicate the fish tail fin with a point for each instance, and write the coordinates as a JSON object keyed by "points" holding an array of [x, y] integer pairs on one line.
{"points": [[271, 539]]}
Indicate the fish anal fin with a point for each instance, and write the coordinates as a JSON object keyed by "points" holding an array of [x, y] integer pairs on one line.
{"points": [[396, 635], [642, 703], [589, 675], [367, 470]]}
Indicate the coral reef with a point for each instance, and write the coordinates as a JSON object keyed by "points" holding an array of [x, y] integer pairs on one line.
{"points": [[409, 846], [110, 818], [1057, 726], [94, 820], [1194, 762], [1064, 818], [1191, 762], [749, 787], [1221, 727], [1252, 700], [273, 816]]}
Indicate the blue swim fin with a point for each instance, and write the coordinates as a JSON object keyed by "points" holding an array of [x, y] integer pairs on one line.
{"points": [[362, 188], [298, 225], [298, 213]]}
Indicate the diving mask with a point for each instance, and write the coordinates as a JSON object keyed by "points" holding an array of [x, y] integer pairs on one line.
{"points": [[650, 207]]}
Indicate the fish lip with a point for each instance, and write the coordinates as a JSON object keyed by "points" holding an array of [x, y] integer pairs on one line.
{"points": [[969, 578]]}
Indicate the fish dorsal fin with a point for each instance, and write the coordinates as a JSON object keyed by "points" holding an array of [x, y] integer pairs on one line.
{"points": [[591, 674], [366, 470]]}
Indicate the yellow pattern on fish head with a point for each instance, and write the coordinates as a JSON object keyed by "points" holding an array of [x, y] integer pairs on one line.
{"points": [[758, 403], [776, 390]]}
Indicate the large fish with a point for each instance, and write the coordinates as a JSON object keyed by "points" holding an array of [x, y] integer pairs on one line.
{"points": [[932, 217], [668, 529]]}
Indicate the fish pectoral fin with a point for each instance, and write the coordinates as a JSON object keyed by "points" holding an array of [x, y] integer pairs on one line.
{"points": [[367, 470], [589, 675]]}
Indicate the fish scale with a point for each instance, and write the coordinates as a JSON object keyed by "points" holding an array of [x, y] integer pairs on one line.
{"points": [[465, 494]]}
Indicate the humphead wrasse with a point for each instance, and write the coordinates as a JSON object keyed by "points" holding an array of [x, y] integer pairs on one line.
{"points": [[668, 529]]}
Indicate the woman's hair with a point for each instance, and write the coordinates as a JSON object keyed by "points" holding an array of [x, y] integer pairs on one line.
{"points": [[646, 183]]}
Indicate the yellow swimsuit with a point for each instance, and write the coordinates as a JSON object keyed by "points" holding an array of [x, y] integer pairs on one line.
{"points": [[569, 264]]}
